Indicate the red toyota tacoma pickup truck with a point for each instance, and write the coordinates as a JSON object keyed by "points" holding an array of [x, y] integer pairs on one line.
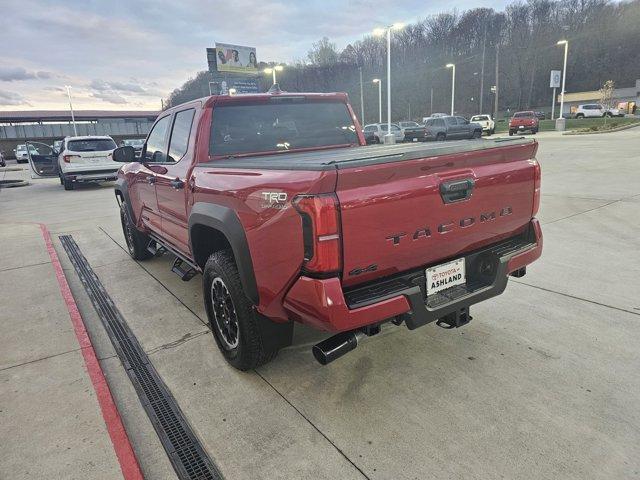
{"points": [[275, 199], [523, 121]]}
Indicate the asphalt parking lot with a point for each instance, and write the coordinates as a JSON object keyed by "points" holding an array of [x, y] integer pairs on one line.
{"points": [[543, 383]]}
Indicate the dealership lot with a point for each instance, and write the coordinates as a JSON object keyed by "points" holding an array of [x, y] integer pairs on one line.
{"points": [[543, 383]]}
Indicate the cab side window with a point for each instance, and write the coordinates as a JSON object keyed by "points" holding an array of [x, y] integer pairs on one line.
{"points": [[155, 151], [180, 135]]}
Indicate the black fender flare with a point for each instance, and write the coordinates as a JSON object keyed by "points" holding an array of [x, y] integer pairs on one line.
{"points": [[226, 221], [121, 188]]}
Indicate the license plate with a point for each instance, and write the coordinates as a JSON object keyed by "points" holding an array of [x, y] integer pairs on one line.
{"points": [[445, 276], [415, 139], [521, 127]]}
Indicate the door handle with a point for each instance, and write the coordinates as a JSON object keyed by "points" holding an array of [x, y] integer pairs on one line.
{"points": [[177, 184], [151, 179], [456, 190]]}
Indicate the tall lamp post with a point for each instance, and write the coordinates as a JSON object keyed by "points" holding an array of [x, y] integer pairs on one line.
{"points": [[560, 122], [273, 70], [389, 137], [453, 85], [379, 82], [73, 119]]}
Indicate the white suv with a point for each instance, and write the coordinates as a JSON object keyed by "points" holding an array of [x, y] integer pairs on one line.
{"points": [[488, 125], [86, 159], [379, 130], [592, 110]]}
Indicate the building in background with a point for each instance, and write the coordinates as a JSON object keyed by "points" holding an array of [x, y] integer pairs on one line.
{"points": [[624, 98], [47, 126]]}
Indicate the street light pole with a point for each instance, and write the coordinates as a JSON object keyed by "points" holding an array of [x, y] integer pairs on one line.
{"points": [[453, 85], [564, 75], [389, 88], [361, 97], [73, 119], [379, 82], [389, 137], [272, 71]]}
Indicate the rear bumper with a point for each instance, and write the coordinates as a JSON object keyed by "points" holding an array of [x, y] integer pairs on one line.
{"points": [[91, 175], [322, 304]]}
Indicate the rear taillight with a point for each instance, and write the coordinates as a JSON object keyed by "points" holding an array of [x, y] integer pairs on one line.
{"points": [[321, 233], [67, 158], [537, 178]]}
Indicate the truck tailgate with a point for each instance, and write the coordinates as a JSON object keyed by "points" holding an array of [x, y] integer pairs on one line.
{"points": [[400, 215]]}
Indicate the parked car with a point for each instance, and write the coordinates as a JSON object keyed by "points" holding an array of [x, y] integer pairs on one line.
{"points": [[524, 121], [413, 131], [299, 222], [370, 136], [21, 154], [592, 110], [86, 159], [452, 128], [379, 130], [486, 122], [3, 163], [136, 143], [540, 115]]}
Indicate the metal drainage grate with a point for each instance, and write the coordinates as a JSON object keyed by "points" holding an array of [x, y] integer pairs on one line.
{"points": [[185, 451]]}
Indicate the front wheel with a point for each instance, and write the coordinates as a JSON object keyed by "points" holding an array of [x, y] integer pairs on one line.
{"points": [[441, 137], [232, 318], [137, 241]]}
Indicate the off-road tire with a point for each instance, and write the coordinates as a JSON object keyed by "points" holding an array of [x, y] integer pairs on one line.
{"points": [[137, 241], [251, 351]]}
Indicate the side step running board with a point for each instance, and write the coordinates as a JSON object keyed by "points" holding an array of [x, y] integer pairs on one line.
{"points": [[155, 249], [181, 268]]}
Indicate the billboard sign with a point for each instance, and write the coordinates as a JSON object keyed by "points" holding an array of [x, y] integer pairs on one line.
{"points": [[554, 81], [236, 58]]}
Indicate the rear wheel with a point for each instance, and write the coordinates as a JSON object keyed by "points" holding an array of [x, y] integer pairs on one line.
{"points": [[511, 132], [232, 318], [137, 241], [476, 134], [607, 114], [68, 184], [580, 115]]}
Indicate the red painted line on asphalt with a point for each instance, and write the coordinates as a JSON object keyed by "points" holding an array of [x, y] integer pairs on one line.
{"points": [[119, 438]]}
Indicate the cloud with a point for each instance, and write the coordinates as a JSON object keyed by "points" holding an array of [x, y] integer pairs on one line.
{"points": [[110, 97], [12, 74], [12, 98], [121, 87]]}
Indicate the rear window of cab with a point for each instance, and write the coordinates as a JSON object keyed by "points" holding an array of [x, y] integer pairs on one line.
{"points": [[286, 123]]}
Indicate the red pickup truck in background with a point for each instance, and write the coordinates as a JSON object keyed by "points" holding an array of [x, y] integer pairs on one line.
{"points": [[289, 217], [524, 121]]}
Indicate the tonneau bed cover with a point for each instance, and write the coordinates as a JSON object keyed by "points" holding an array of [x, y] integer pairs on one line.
{"points": [[345, 157]]}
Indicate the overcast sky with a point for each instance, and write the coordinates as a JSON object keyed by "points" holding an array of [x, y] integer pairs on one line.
{"points": [[128, 54]]}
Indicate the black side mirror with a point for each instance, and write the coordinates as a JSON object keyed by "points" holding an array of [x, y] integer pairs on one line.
{"points": [[124, 154]]}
